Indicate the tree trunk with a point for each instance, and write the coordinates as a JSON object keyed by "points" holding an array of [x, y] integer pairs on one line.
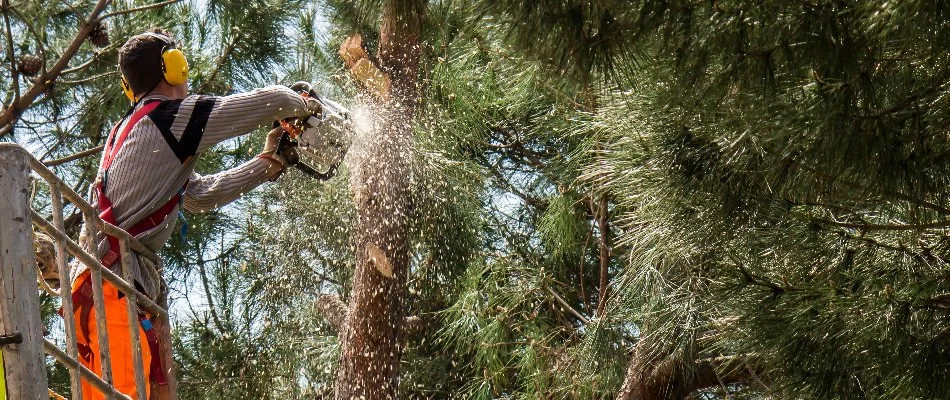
{"points": [[371, 340]]}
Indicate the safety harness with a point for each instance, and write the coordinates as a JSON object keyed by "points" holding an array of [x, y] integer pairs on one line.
{"points": [[82, 296], [113, 145]]}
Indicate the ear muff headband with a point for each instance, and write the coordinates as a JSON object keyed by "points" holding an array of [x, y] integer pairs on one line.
{"points": [[174, 65]]}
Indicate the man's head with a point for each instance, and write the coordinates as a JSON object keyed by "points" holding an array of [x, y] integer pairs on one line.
{"points": [[143, 66]]}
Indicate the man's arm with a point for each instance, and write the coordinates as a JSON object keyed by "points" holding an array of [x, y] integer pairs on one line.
{"points": [[196, 123], [209, 192]]}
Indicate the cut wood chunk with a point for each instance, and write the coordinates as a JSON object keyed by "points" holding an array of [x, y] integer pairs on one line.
{"points": [[375, 81]]}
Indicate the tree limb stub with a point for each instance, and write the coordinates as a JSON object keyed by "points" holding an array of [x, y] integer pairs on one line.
{"points": [[414, 325], [653, 377], [379, 260], [334, 310]]}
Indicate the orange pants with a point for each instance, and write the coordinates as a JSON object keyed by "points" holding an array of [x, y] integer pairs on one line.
{"points": [[120, 343]]}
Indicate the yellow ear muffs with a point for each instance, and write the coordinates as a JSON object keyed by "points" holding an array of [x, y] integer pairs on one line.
{"points": [[128, 90], [175, 66]]}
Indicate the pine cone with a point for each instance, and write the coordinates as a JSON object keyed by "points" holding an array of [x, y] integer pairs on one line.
{"points": [[30, 65], [99, 36]]}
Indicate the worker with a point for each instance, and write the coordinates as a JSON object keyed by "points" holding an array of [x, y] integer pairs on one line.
{"points": [[147, 173]]}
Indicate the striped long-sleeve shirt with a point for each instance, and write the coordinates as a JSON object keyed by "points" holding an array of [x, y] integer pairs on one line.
{"points": [[159, 156]]}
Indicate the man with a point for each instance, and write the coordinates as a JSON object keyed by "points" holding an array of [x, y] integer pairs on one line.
{"points": [[147, 173]]}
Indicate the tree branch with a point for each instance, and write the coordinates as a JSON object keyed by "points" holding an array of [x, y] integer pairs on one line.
{"points": [[232, 43], [43, 83], [14, 74], [652, 377], [333, 309], [86, 64], [81, 154], [207, 286], [604, 227], [580, 272], [137, 9], [567, 306], [887, 227], [895, 195], [89, 79], [36, 36]]}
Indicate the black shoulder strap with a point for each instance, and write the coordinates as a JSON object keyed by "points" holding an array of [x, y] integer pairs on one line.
{"points": [[164, 115]]}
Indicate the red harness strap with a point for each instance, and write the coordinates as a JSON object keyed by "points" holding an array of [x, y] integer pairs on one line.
{"points": [[83, 296]]}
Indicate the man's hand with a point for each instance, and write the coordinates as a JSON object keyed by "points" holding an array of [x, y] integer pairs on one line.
{"points": [[313, 105], [309, 96], [270, 152]]}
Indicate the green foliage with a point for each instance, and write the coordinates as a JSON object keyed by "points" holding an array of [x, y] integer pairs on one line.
{"points": [[577, 38], [774, 183]]}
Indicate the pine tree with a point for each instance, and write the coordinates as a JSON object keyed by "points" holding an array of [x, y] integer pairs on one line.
{"points": [[456, 241], [780, 167]]}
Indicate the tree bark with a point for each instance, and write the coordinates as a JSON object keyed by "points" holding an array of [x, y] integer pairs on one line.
{"points": [[372, 337]]}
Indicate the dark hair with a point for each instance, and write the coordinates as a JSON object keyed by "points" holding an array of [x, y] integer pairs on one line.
{"points": [[140, 60]]}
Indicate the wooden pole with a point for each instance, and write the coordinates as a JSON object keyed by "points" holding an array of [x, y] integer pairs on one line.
{"points": [[66, 297], [24, 367]]}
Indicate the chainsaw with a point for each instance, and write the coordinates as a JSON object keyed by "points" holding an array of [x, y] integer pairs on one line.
{"points": [[317, 140]]}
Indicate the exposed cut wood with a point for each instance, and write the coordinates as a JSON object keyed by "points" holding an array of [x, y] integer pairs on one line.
{"points": [[364, 69], [378, 259]]}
